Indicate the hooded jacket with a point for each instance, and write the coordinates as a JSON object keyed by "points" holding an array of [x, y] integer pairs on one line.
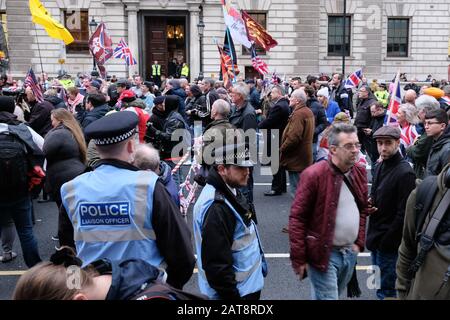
{"points": [[439, 154], [165, 176], [40, 119], [128, 277], [56, 102], [173, 122]]}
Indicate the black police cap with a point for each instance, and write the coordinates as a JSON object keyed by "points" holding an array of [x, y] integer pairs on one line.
{"points": [[113, 128]]}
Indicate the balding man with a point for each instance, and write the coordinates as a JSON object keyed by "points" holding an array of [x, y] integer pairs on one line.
{"points": [[215, 132], [410, 97], [147, 158]]}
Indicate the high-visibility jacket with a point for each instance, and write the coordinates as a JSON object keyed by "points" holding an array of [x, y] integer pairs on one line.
{"points": [[111, 212], [248, 256], [185, 71], [156, 70]]}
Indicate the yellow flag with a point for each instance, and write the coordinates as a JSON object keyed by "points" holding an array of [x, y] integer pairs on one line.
{"points": [[54, 28]]}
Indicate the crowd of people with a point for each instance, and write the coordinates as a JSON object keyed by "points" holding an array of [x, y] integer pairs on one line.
{"points": [[107, 152]]}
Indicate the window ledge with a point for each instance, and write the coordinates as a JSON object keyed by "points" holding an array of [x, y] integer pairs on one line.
{"points": [[339, 58], [398, 59], [77, 55]]}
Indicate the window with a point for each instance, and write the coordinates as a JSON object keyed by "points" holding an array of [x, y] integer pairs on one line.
{"points": [[4, 56], [398, 37], [77, 22], [261, 18], [335, 35]]}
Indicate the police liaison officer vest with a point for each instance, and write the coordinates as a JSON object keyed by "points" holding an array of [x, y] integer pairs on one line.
{"points": [[248, 261], [113, 220]]}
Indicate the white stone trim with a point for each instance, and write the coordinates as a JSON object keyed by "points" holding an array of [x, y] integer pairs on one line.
{"points": [[73, 4], [261, 5]]}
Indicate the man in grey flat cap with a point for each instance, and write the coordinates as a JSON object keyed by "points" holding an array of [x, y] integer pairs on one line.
{"points": [[393, 181]]}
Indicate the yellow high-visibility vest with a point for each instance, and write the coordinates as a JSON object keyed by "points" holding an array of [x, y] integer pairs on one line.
{"points": [[156, 70], [185, 71]]}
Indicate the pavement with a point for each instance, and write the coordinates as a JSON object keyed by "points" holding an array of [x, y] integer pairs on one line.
{"points": [[272, 212]]}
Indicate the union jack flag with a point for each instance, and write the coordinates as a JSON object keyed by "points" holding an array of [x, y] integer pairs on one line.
{"points": [[275, 78], [122, 51], [408, 135], [31, 81], [354, 79], [394, 104], [257, 62]]}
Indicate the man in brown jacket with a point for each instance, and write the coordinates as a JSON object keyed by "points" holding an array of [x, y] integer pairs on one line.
{"points": [[296, 143]]}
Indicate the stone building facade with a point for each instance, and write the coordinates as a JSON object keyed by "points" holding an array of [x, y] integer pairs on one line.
{"points": [[301, 28]]}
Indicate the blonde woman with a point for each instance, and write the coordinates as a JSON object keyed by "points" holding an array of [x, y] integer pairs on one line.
{"points": [[65, 151], [407, 118]]}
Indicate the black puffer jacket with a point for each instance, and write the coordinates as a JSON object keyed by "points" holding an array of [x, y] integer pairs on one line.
{"points": [[40, 119], [63, 159]]}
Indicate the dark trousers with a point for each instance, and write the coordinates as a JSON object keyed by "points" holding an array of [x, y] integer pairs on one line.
{"points": [[247, 191], [65, 227], [252, 296], [279, 180]]}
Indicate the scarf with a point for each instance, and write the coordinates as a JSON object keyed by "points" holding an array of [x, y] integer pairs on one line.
{"points": [[73, 103]]}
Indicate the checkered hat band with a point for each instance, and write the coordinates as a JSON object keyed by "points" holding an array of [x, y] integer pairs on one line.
{"points": [[117, 139]]}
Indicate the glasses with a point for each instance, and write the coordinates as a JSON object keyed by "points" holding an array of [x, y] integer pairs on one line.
{"points": [[429, 123], [350, 146]]}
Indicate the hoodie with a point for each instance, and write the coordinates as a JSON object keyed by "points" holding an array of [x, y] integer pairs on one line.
{"points": [[165, 176], [129, 276], [439, 154]]}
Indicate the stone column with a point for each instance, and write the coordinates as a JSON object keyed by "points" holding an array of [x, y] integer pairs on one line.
{"points": [[133, 41], [194, 45]]}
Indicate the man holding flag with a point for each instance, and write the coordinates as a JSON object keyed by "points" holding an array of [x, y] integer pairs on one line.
{"points": [[100, 45]]}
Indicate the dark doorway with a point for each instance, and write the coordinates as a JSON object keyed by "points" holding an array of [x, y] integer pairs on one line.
{"points": [[251, 73], [165, 40]]}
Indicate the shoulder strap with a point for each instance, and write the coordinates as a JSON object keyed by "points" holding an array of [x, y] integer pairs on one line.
{"points": [[427, 237], [426, 191]]}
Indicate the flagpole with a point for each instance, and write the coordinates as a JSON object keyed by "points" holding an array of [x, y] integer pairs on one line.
{"points": [[39, 50], [232, 65], [397, 83]]}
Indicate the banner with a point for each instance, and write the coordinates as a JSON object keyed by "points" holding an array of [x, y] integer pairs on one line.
{"points": [[235, 24], [257, 33], [100, 45]]}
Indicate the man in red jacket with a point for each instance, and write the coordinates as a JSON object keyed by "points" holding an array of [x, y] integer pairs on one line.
{"points": [[328, 216]]}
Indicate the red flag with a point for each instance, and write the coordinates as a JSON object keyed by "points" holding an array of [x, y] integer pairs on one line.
{"points": [[224, 69], [100, 45], [257, 33]]}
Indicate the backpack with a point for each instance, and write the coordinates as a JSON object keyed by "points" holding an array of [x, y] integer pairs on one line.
{"points": [[425, 194], [13, 167], [160, 291]]}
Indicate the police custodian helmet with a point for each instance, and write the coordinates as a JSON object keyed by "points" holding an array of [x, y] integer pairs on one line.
{"points": [[113, 128]]}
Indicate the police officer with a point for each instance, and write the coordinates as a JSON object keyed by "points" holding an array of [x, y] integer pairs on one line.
{"points": [[156, 73], [185, 70], [230, 259], [118, 212]]}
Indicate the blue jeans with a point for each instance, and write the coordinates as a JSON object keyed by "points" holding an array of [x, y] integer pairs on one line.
{"points": [[294, 178], [386, 262], [330, 284], [20, 212]]}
